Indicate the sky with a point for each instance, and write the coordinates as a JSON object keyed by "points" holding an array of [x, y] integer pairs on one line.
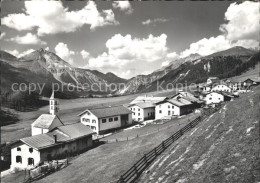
{"points": [[127, 38]]}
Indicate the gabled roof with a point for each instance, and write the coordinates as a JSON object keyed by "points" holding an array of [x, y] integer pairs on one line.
{"points": [[63, 133], [76, 130], [187, 95], [178, 102], [39, 141], [142, 99], [45, 120], [108, 111], [144, 105]]}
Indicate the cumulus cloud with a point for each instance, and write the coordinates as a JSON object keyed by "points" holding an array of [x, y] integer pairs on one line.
{"points": [[85, 54], [2, 35], [242, 29], [242, 21], [63, 52], [128, 52], [19, 55], [50, 17], [154, 21], [123, 6], [207, 46], [29, 38]]}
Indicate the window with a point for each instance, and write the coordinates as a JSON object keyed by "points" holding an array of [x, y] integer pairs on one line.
{"points": [[30, 150], [138, 114], [18, 148], [160, 106], [172, 107], [18, 159], [110, 119], [115, 118], [160, 111], [148, 114], [139, 109], [169, 112], [169, 106], [218, 98], [210, 98], [93, 127], [30, 161], [104, 120], [172, 112], [93, 121], [134, 108]]}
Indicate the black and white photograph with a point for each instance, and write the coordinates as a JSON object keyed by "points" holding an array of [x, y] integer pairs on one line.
{"points": [[130, 91]]}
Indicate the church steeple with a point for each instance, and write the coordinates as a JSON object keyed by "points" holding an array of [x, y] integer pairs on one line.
{"points": [[53, 105]]}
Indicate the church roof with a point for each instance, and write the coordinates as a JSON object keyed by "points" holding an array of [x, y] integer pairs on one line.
{"points": [[44, 121]]}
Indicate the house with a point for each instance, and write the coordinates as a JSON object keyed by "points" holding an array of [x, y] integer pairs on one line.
{"points": [[212, 80], [101, 120], [172, 107], [190, 97], [248, 83], [143, 99], [142, 111], [56, 144], [217, 97], [47, 122], [221, 88]]}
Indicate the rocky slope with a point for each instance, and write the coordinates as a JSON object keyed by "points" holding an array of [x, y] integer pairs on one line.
{"points": [[195, 69]]}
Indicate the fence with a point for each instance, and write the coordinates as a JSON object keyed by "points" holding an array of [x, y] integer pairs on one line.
{"points": [[135, 171], [44, 170]]}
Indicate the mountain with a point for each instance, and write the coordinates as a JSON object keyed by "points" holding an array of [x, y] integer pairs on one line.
{"points": [[235, 51], [41, 66], [195, 69]]}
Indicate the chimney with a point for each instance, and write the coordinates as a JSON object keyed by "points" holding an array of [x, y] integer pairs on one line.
{"points": [[55, 138]]}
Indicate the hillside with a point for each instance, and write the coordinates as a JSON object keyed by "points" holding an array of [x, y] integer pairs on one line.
{"points": [[198, 70], [223, 148]]}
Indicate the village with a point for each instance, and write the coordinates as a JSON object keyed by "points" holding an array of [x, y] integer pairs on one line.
{"points": [[52, 141]]}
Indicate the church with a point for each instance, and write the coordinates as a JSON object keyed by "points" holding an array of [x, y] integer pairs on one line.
{"points": [[51, 140]]}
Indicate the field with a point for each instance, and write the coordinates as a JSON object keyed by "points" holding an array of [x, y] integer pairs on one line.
{"points": [[69, 109], [224, 148]]}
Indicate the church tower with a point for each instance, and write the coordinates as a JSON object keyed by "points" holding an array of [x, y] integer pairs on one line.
{"points": [[53, 105]]}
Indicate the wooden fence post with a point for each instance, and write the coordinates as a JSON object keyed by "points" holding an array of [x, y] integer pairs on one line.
{"points": [[181, 132]]}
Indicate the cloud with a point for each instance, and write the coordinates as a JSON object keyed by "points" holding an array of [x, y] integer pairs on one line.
{"points": [[19, 55], [165, 63], [63, 52], [243, 21], [27, 39], [242, 29], [51, 17], [3, 34], [85, 54], [123, 6], [172, 55], [154, 21], [128, 52], [207, 46]]}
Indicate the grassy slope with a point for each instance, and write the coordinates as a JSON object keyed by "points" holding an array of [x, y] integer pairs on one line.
{"points": [[252, 73], [222, 149], [107, 162], [69, 109]]}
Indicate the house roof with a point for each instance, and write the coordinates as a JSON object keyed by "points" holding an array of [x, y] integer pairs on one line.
{"points": [[45, 121], [142, 99], [144, 105], [178, 102], [63, 134], [108, 111], [188, 96], [76, 130]]}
